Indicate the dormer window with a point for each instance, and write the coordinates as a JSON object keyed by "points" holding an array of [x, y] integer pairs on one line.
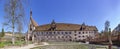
{"points": [[82, 26], [53, 25]]}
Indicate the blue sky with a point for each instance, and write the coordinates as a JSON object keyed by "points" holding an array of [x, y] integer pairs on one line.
{"points": [[92, 12]]}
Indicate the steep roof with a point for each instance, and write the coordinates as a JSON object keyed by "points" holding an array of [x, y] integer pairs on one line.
{"points": [[33, 22], [65, 27]]}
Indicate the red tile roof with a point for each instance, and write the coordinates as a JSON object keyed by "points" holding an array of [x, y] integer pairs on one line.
{"points": [[65, 27]]}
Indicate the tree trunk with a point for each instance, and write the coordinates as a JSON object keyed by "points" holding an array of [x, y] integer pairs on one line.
{"points": [[110, 41], [13, 39]]}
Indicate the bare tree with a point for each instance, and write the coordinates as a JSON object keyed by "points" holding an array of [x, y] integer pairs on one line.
{"points": [[107, 24], [109, 38], [108, 33], [14, 15]]}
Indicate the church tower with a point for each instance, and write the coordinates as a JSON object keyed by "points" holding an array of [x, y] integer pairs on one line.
{"points": [[31, 27]]}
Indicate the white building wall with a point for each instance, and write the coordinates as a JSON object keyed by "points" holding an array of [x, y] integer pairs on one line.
{"points": [[64, 35]]}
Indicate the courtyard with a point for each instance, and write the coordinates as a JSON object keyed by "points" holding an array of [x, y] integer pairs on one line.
{"points": [[71, 45]]}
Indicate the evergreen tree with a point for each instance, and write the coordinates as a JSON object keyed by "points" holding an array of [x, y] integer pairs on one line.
{"points": [[2, 33]]}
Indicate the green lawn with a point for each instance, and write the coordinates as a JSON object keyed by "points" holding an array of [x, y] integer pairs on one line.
{"points": [[71, 45], [9, 43], [62, 47]]}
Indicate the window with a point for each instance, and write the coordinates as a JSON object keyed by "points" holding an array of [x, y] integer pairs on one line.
{"points": [[42, 33], [65, 32], [38, 33], [58, 36], [69, 32], [54, 32], [86, 32], [79, 36], [47, 36], [75, 31], [62, 36], [30, 29], [58, 32], [62, 33], [54, 37], [86, 35], [89, 32], [83, 36], [70, 37], [66, 36], [75, 34], [75, 38], [46, 32], [50, 32], [83, 32], [79, 32]]}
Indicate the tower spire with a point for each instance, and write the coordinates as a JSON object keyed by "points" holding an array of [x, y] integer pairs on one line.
{"points": [[30, 13], [53, 22], [31, 19]]}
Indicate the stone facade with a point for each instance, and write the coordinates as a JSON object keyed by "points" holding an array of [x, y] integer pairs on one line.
{"points": [[63, 35], [60, 31]]}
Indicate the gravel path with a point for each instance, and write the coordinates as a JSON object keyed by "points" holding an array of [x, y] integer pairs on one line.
{"points": [[27, 46]]}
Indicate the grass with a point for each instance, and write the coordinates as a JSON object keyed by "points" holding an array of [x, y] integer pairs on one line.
{"points": [[2, 44], [9, 43], [70, 45], [19, 43], [61, 47]]}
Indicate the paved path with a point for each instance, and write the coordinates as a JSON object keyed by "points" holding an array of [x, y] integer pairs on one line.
{"points": [[27, 46]]}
